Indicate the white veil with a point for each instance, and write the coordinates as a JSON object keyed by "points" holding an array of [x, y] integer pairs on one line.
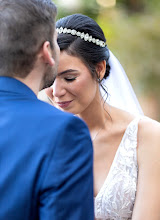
{"points": [[121, 93]]}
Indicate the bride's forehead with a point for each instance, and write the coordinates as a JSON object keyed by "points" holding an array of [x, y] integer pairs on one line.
{"points": [[69, 60]]}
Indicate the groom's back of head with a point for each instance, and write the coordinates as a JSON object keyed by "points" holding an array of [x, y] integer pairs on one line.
{"points": [[24, 26]]}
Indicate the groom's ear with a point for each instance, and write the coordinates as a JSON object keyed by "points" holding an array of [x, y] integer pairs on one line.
{"points": [[47, 53], [101, 69]]}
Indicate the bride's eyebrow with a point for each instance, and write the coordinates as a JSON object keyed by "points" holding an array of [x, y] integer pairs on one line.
{"points": [[67, 71]]}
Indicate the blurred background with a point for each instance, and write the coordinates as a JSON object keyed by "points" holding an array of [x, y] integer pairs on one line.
{"points": [[132, 30]]}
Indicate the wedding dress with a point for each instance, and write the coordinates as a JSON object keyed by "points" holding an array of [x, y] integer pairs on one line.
{"points": [[116, 198]]}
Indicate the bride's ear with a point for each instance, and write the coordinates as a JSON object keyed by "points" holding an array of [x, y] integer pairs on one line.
{"points": [[101, 69], [47, 53]]}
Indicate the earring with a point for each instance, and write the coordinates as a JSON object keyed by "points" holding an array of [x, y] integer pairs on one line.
{"points": [[99, 80]]}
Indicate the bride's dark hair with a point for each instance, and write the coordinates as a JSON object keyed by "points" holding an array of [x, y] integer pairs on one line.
{"points": [[90, 53]]}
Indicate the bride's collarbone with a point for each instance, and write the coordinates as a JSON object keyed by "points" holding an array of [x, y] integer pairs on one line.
{"points": [[109, 139]]}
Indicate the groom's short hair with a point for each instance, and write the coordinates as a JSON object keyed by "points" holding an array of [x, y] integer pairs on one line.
{"points": [[24, 26]]}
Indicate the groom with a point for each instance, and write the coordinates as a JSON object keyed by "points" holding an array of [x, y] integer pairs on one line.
{"points": [[45, 154]]}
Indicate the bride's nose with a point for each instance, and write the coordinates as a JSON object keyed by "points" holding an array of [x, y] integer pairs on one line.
{"points": [[58, 88]]}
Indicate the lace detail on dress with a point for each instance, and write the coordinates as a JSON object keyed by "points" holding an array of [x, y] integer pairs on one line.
{"points": [[116, 198]]}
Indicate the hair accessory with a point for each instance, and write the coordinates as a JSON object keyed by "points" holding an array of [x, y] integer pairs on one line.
{"points": [[82, 35]]}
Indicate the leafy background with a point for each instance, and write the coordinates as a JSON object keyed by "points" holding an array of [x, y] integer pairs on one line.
{"points": [[132, 29]]}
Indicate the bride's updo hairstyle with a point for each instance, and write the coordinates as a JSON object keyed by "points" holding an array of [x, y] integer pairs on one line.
{"points": [[81, 36]]}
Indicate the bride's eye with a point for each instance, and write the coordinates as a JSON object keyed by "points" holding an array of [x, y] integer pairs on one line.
{"points": [[70, 79]]}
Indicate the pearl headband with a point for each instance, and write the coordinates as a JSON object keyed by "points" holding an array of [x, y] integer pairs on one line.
{"points": [[82, 35]]}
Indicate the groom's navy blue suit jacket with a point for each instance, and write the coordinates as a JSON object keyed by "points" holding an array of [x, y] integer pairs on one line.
{"points": [[45, 159]]}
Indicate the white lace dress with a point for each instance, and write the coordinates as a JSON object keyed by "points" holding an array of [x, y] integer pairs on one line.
{"points": [[116, 198]]}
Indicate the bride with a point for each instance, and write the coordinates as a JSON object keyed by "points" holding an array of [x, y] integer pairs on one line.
{"points": [[126, 143]]}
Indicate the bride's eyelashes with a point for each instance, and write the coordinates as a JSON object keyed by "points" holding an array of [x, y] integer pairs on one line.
{"points": [[70, 79]]}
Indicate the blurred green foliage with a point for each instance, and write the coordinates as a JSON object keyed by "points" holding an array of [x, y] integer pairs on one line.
{"points": [[133, 35], [134, 39]]}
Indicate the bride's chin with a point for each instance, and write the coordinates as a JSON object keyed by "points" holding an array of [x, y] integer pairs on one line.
{"points": [[72, 111]]}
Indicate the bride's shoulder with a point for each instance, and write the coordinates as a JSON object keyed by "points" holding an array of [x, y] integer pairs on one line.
{"points": [[149, 127], [149, 137]]}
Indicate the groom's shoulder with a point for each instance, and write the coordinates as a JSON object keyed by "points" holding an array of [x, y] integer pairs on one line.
{"points": [[49, 110], [53, 115]]}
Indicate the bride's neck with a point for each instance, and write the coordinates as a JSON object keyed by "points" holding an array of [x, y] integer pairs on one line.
{"points": [[96, 115]]}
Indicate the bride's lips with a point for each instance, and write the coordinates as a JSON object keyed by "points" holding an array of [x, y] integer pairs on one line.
{"points": [[63, 104]]}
